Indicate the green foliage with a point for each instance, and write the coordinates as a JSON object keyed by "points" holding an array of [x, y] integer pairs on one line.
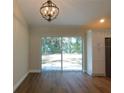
{"points": [[52, 45]]}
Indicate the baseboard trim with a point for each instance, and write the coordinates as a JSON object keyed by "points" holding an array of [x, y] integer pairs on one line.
{"points": [[20, 81], [34, 71], [88, 73], [98, 74], [84, 71]]}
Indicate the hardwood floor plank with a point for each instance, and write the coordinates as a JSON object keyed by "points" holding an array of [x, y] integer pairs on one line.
{"points": [[64, 82]]}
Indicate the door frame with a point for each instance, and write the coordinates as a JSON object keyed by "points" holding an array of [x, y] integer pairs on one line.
{"points": [[107, 72]]}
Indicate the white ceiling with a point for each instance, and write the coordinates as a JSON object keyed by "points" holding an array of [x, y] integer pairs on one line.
{"points": [[72, 12]]}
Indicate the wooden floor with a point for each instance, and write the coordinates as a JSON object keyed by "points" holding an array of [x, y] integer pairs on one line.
{"points": [[64, 82]]}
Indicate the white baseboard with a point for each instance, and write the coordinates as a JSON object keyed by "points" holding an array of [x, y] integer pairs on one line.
{"points": [[84, 71], [98, 74], [34, 71], [89, 73], [20, 81]]}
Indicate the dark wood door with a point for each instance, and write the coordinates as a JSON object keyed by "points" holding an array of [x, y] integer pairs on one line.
{"points": [[108, 56]]}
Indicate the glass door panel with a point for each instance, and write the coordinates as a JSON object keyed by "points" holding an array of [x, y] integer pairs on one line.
{"points": [[51, 53], [72, 53]]}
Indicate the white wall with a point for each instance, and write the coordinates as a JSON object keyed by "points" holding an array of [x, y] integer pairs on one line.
{"points": [[99, 51], [89, 53], [20, 46], [96, 51], [35, 41]]}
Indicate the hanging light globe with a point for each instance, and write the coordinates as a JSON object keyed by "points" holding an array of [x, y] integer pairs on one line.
{"points": [[49, 10]]}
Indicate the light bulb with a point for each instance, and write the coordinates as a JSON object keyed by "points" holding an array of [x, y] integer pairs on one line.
{"points": [[47, 8], [53, 9], [51, 12], [102, 21], [45, 12]]}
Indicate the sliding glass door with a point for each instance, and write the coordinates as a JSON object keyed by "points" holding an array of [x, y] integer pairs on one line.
{"points": [[61, 53], [51, 53]]}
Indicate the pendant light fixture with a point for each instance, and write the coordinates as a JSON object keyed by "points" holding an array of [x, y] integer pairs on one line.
{"points": [[49, 10]]}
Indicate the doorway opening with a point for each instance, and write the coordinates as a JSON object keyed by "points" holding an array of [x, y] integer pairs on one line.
{"points": [[61, 53]]}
